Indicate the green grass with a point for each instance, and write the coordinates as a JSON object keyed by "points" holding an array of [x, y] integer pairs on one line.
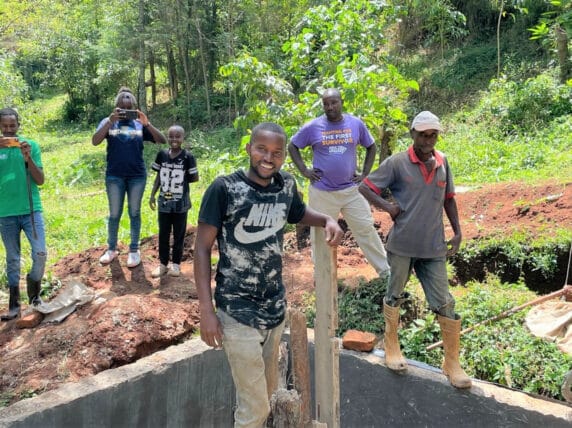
{"points": [[477, 157], [515, 131], [73, 196], [504, 351]]}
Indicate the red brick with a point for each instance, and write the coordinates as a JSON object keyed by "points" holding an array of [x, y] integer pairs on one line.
{"points": [[30, 320], [359, 340]]}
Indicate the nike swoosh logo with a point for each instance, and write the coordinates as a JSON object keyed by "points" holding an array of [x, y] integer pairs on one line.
{"points": [[245, 237]]}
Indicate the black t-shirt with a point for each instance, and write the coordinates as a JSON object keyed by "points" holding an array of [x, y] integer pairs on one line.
{"points": [[251, 221], [175, 175]]}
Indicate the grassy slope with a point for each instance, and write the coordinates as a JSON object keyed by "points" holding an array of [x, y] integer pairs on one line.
{"points": [[515, 129]]}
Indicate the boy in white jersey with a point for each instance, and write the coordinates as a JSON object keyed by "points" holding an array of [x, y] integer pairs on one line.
{"points": [[176, 168]]}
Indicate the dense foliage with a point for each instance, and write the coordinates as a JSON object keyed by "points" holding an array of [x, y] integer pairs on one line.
{"points": [[273, 55]]}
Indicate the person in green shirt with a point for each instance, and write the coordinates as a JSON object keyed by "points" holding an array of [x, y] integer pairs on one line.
{"points": [[21, 173]]}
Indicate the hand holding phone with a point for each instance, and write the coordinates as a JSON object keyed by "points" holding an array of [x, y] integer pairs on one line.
{"points": [[6, 142], [128, 114]]}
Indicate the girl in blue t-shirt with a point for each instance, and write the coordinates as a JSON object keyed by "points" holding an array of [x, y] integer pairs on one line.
{"points": [[125, 173]]}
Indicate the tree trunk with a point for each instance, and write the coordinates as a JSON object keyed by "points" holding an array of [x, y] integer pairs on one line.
{"points": [[141, 90], [229, 31], [183, 43], [152, 78], [385, 146], [204, 68], [498, 39], [212, 34], [563, 54], [172, 73], [184, 58]]}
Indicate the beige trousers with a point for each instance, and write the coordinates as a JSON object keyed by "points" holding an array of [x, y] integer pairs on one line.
{"points": [[253, 358], [357, 214]]}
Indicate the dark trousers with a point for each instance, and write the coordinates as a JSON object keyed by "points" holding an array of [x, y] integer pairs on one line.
{"points": [[177, 222]]}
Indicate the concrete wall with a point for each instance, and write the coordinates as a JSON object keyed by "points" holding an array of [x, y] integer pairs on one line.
{"points": [[374, 396], [190, 386], [183, 386]]}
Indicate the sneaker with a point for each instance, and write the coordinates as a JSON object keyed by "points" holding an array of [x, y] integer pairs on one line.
{"points": [[133, 259], [108, 257], [175, 270], [159, 271]]}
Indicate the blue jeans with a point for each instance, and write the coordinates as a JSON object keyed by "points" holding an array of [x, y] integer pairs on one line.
{"points": [[10, 228], [432, 274], [117, 188]]}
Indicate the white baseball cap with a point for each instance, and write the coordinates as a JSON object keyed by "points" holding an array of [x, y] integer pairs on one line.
{"points": [[425, 121]]}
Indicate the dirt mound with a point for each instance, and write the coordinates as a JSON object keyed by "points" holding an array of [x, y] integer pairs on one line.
{"points": [[134, 315], [501, 209]]}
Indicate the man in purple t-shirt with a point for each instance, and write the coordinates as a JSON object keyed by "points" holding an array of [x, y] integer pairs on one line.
{"points": [[334, 138]]}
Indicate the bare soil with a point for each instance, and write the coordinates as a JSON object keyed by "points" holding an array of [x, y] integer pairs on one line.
{"points": [[135, 315]]}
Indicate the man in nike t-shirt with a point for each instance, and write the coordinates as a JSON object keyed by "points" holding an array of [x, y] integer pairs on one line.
{"points": [[246, 212]]}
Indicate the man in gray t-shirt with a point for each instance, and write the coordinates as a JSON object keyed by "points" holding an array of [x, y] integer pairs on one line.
{"points": [[421, 183]]}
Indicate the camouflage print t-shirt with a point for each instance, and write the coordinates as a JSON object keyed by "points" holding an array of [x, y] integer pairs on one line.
{"points": [[251, 221]]}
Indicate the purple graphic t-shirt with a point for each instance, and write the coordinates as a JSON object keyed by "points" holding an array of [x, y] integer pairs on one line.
{"points": [[335, 148]]}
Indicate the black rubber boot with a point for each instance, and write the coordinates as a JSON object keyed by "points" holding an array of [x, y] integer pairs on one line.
{"points": [[33, 288], [13, 305]]}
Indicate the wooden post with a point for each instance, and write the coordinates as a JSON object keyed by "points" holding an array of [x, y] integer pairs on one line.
{"points": [[300, 362], [326, 362]]}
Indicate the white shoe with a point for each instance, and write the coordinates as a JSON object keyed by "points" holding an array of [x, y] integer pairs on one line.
{"points": [[175, 270], [159, 271], [133, 259], [108, 257]]}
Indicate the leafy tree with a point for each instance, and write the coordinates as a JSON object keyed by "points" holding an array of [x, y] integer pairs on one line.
{"points": [[555, 29], [72, 47], [338, 45], [434, 22], [13, 88]]}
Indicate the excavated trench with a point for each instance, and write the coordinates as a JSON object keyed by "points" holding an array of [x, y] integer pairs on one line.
{"points": [[542, 279]]}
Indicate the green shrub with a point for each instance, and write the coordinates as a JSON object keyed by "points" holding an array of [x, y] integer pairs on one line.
{"points": [[13, 88], [361, 307], [527, 105], [504, 351], [514, 253]]}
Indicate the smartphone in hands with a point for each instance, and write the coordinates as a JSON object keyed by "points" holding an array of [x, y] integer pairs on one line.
{"points": [[6, 142], [128, 114]]}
